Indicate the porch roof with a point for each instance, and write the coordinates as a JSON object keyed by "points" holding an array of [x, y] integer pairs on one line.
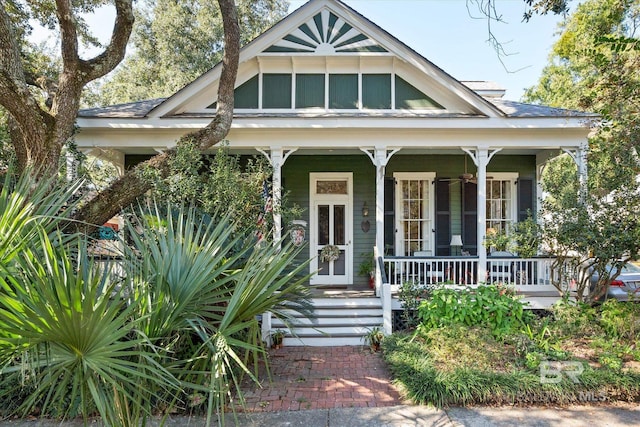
{"points": [[511, 109]]}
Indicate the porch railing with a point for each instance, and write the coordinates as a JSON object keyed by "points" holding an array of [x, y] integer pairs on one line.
{"points": [[524, 273]]}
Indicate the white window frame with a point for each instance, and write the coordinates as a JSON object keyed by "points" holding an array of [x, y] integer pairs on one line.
{"points": [[511, 215], [430, 209]]}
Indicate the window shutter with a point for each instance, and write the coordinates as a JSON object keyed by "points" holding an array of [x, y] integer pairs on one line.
{"points": [[389, 216], [443, 218], [526, 198], [470, 217]]}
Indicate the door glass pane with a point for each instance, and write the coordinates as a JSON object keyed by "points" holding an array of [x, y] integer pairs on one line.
{"points": [[323, 266], [331, 187], [339, 221], [339, 265], [323, 224]]}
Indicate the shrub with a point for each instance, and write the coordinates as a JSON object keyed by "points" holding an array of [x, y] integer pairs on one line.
{"points": [[490, 306], [620, 320], [575, 320], [410, 295]]}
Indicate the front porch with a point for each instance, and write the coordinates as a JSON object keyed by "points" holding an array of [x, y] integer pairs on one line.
{"points": [[345, 314]]}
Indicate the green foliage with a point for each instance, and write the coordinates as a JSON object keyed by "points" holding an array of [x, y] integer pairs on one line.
{"points": [[174, 42], [456, 382], [593, 236], [456, 347], [410, 295], [526, 237], [490, 306], [221, 183], [522, 238], [77, 338], [374, 337], [593, 67], [620, 320], [498, 240], [205, 285], [574, 320]]}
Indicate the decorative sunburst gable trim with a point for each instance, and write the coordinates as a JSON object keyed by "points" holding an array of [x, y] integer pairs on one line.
{"points": [[325, 33]]}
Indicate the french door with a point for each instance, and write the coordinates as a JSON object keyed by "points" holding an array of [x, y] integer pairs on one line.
{"points": [[331, 231]]}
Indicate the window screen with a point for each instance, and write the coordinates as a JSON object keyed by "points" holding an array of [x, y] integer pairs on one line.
{"points": [[276, 91], [376, 91], [309, 90], [343, 91]]}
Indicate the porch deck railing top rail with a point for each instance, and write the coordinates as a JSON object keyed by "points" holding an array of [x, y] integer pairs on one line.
{"points": [[521, 272]]}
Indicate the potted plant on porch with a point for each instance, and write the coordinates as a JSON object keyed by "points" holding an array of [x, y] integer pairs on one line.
{"points": [[373, 338], [277, 338], [368, 268]]}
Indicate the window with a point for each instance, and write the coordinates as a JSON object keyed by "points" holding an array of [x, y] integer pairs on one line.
{"points": [[376, 91], [343, 91], [309, 90], [501, 200], [246, 95], [276, 91], [410, 98], [414, 213]]}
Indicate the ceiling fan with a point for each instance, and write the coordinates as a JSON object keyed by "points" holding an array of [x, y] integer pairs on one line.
{"points": [[466, 177]]}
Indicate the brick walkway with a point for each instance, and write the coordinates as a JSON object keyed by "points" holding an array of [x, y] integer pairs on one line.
{"points": [[321, 378]]}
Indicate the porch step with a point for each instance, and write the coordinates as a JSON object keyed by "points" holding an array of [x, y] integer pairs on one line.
{"points": [[336, 321]]}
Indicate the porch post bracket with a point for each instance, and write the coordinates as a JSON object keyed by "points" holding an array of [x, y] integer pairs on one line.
{"points": [[572, 153], [376, 158], [270, 157], [473, 153]]}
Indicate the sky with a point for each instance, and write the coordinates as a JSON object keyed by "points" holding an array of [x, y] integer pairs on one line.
{"points": [[454, 37]]}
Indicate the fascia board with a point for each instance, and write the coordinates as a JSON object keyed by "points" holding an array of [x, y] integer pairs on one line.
{"points": [[340, 123]]}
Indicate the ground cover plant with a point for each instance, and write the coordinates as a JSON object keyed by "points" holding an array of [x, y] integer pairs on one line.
{"points": [[480, 347]]}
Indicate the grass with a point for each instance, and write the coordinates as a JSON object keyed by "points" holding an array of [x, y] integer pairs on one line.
{"points": [[469, 365]]}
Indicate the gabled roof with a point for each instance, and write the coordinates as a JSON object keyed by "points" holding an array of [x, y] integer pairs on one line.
{"points": [[329, 27]]}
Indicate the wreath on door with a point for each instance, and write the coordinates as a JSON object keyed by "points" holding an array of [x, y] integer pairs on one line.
{"points": [[329, 253]]}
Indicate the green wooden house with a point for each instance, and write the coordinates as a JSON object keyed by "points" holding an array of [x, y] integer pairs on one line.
{"points": [[386, 151]]}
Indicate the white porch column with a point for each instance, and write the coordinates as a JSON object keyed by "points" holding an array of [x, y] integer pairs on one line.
{"points": [[379, 157], [276, 192], [539, 190], [579, 156], [276, 157], [481, 156]]}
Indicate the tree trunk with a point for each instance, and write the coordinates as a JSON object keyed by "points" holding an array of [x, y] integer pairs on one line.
{"points": [[124, 191]]}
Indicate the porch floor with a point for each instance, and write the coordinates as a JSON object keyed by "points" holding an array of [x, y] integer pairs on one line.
{"points": [[321, 378], [342, 293]]}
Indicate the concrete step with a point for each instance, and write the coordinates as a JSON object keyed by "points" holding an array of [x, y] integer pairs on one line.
{"points": [[320, 341], [375, 319], [336, 321], [323, 313], [343, 302]]}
